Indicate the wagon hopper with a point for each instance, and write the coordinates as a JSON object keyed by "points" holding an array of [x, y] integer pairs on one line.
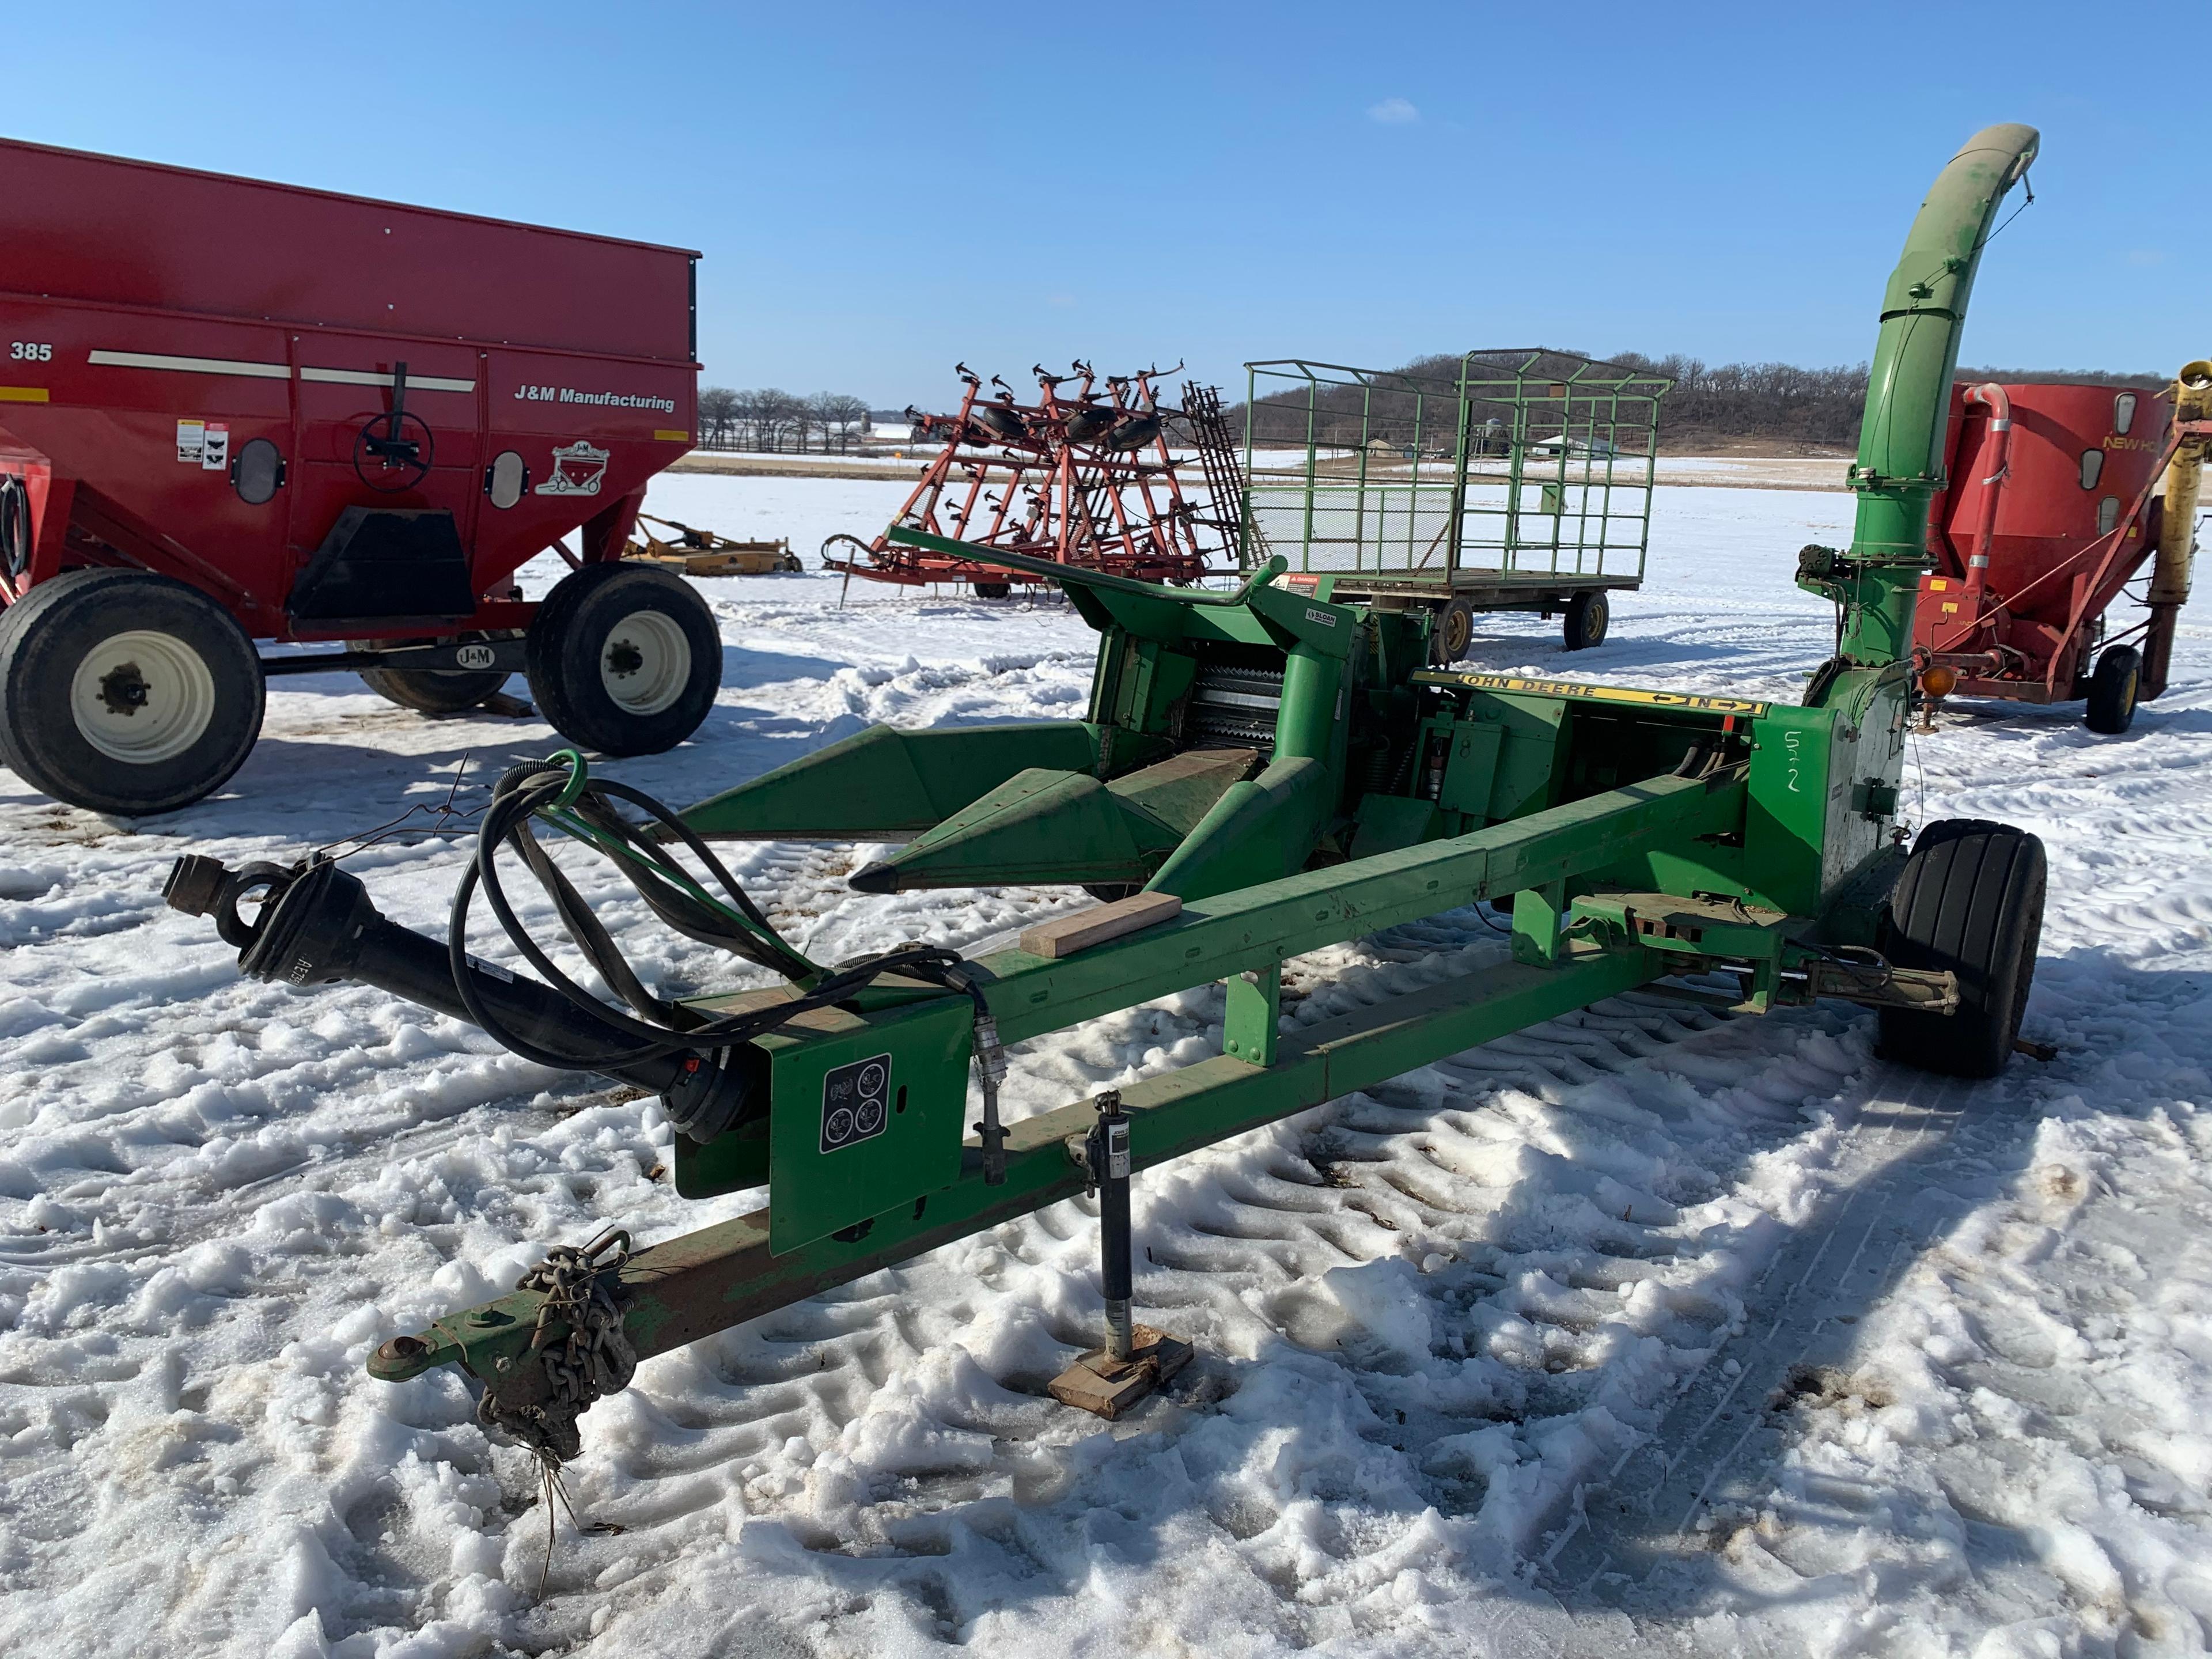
{"points": [[2058, 497]]}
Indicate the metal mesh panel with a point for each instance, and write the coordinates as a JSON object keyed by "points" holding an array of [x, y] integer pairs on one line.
{"points": [[1525, 461]]}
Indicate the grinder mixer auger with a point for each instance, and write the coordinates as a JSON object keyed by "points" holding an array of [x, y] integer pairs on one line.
{"points": [[1276, 773]]}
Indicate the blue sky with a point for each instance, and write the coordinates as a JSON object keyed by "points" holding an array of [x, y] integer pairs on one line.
{"points": [[882, 189]]}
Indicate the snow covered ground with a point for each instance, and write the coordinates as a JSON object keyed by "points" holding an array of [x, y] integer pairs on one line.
{"points": [[1643, 1329]]}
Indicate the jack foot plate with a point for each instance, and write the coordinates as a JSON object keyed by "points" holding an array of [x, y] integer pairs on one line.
{"points": [[1107, 1387]]}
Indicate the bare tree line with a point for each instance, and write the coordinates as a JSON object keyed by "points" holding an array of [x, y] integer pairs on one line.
{"points": [[1785, 402], [773, 420], [1780, 402]]}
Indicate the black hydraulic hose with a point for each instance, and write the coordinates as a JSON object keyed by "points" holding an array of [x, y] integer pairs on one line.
{"points": [[526, 791], [317, 924]]}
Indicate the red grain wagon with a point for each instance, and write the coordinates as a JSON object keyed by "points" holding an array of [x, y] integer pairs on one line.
{"points": [[233, 410]]}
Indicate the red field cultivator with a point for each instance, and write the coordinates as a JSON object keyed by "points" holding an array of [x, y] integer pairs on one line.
{"points": [[1087, 477]]}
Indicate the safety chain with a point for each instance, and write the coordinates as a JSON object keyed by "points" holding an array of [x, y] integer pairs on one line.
{"points": [[595, 1358]]}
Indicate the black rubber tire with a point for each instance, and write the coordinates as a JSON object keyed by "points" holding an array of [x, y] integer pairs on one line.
{"points": [[572, 634], [433, 690], [993, 590], [1108, 892], [1453, 633], [1589, 614], [2113, 689], [1971, 900], [45, 639]]}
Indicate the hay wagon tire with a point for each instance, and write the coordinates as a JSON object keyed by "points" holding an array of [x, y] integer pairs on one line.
{"points": [[1589, 615], [1453, 634]]}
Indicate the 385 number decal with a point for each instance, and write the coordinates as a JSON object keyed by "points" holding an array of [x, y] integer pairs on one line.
{"points": [[27, 351]]}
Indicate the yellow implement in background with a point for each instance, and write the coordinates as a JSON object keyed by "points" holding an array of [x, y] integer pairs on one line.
{"points": [[703, 553]]}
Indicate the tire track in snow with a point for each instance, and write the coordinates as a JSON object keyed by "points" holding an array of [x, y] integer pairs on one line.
{"points": [[1652, 1507]]}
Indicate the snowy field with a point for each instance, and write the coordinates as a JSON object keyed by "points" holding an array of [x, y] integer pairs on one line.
{"points": [[1644, 1330]]}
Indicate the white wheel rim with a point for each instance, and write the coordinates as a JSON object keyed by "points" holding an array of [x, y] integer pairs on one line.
{"points": [[142, 697], [646, 662]]}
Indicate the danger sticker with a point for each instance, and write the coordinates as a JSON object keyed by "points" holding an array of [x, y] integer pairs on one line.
{"points": [[203, 444]]}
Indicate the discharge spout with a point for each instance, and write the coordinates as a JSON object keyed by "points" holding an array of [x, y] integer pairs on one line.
{"points": [[1901, 440]]}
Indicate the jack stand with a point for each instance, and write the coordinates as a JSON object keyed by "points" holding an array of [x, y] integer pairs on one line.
{"points": [[1136, 1360]]}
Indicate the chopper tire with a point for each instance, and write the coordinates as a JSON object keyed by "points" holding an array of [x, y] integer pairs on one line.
{"points": [[623, 660], [1970, 900], [2112, 690], [125, 692], [1453, 634], [1588, 614]]}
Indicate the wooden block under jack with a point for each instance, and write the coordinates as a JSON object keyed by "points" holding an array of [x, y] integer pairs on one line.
{"points": [[1107, 1387]]}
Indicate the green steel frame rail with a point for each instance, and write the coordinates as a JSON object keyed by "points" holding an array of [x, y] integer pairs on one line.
{"points": [[706, 1281]]}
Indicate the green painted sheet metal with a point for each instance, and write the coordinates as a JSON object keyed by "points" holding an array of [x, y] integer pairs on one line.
{"points": [[1908, 406], [1181, 790], [1257, 830], [1038, 826], [885, 782]]}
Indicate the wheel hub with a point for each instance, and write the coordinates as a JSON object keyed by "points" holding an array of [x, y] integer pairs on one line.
{"points": [[142, 697], [646, 662], [123, 691]]}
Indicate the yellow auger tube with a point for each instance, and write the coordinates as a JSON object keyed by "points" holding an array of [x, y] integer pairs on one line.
{"points": [[2177, 540]]}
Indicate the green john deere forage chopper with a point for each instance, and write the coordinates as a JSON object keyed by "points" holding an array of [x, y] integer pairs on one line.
{"points": [[1260, 774]]}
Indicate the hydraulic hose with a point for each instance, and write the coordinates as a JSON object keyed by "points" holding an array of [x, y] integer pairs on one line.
{"points": [[317, 924]]}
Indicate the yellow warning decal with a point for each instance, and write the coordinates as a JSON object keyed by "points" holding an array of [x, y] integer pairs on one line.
{"points": [[22, 394], [1591, 693], [1937, 585], [672, 437]]}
